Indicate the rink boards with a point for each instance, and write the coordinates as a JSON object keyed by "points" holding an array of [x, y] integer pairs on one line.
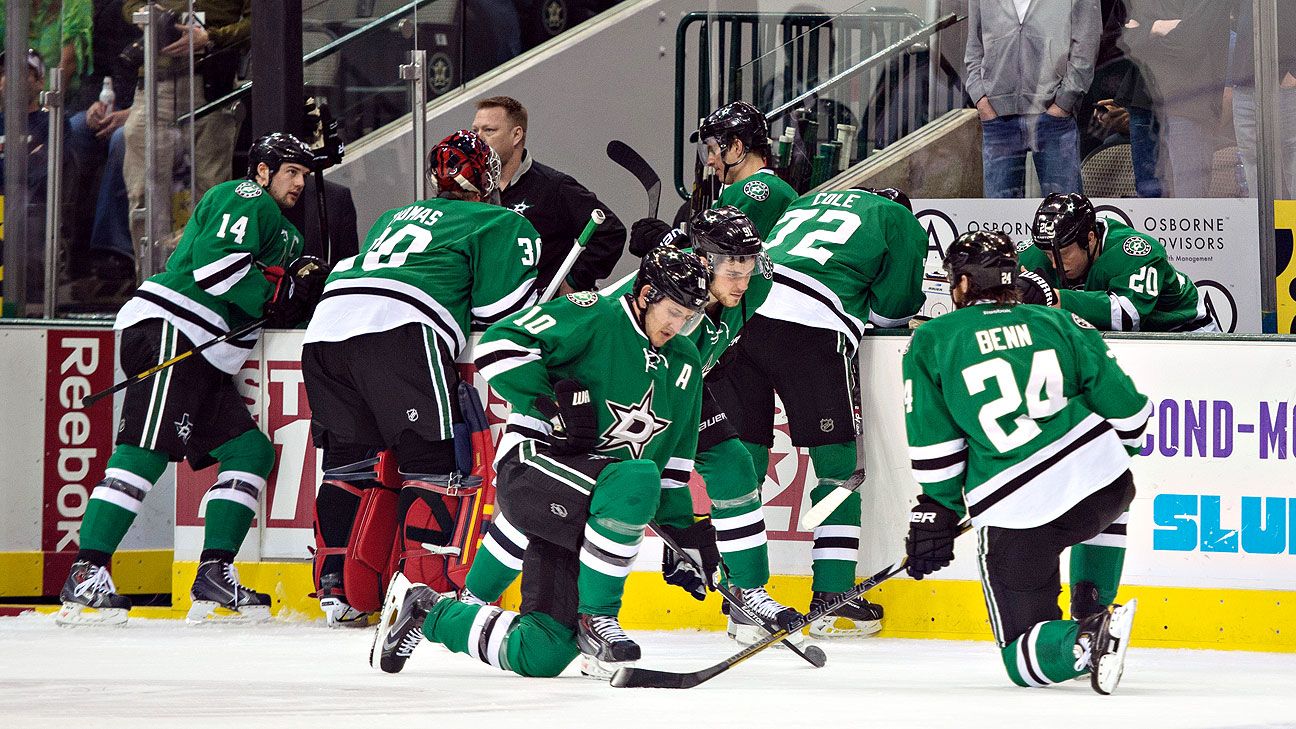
{"points": [[1212, 534]]}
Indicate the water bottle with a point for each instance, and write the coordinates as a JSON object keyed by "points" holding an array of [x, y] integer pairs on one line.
{"points": [[107, 96]]}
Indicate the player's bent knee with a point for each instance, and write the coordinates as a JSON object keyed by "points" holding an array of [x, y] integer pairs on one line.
{"points": [[636, 484], [250, 451], [729, 473]]}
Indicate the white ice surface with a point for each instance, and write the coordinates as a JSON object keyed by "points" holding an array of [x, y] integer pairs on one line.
{"points": [[165, 674]]}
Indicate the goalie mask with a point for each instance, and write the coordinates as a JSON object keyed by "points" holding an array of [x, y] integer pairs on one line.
{"points": [[1062, 221], [463, 161], [987, 258]]}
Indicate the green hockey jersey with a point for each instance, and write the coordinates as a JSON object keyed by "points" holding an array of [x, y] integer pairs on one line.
{"points": [[845, 258], [717, 330], [441, 263], [762, 196], [1016, 413], [1131, 285], [649, 401], [213, 283]]}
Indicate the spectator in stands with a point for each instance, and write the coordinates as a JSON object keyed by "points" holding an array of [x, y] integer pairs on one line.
{"points": [[1244, 104], [101, 257], [1119, 105], [557, 205], [216, 45], [1028, 63], [1184, 46], [38, 123], [59, 30]]}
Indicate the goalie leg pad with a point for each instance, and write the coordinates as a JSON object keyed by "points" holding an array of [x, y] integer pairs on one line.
{"points": [[429, 536], [337, 507]]}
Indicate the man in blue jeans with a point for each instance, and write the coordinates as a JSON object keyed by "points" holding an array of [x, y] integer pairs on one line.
{"points": [[97, 136], [1028, 63]]}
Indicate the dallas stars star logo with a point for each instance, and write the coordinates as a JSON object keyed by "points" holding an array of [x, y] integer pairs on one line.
{"points": [[184, 428], [521, 208], [633, 426]]}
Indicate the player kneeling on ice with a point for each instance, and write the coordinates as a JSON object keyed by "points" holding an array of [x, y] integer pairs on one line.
{"points": [[605, 402], [378, 362], [1019, 417], [227, 272]]}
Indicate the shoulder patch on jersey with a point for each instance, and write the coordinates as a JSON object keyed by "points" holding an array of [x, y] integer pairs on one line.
{"points": [[1136, 246], [1081, 322], [249, 189], [583, 298], [1022, 245], [757, 190]]}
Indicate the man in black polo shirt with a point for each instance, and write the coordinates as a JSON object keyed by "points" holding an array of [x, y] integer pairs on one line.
{"points": [[556, 204]]}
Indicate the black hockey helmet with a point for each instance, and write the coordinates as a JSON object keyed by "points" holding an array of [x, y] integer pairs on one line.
{"points": [[674, 274], [738, 120], [894, 194], [277, 148], [725, 232], [1062, 220], [463, 161], [987, 257]]}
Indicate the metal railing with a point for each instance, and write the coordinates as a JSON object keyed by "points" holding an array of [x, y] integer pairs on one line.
{"points": [[877, 59]]}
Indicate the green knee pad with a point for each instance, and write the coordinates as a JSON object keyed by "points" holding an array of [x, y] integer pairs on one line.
{"points": [[250, 452], [539, 646], [142, 462], [532, 645], [625, 497], [675, 508], [759, 458], [729, 475]]}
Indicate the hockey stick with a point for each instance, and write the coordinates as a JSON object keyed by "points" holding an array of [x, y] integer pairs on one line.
{"points": [[93, 398], [815, 515], [635, 677], [813, 654], [596, 219], [635, 164]]}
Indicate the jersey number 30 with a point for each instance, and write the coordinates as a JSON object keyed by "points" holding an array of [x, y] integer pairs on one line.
{"points": [[1042, 397]]}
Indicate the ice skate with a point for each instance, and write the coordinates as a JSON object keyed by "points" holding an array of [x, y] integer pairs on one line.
{"points": [[400, 628], [337, 612], [604, 646], [759, 602], [90, 598], [219, 598], [1101, 644], [858, 618]]}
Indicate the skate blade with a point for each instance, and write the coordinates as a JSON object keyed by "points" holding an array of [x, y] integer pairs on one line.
{"points": [[73, 614], [400, 585], [834, 626], [205, 612], [591, 667], [745, 635], [1111, 666]]}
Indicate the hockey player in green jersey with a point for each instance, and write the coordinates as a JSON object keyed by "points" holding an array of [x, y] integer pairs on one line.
{"points": [[605, 404], [1111, 275], [378, 364], [734, 141], [1020, 418], [226, 272], [842, 259], [741, 271]]}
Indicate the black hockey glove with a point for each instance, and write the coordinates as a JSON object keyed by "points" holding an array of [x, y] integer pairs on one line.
{"points": [[1034, 289], [699, 544], [646, 234], [930, 545], [321, 133], [575, 420], [296, 293]]}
